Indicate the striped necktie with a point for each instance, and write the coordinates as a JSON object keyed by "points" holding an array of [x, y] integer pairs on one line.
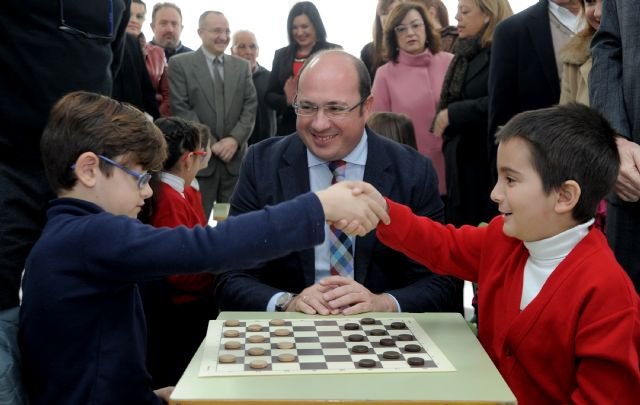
{"points": [[341, 246]]}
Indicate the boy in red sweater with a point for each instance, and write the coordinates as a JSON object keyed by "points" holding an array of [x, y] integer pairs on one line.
{"points": [[558, 315]]}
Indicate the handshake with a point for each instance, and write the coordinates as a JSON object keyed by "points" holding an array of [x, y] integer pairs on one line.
{"points": [[355, 207]]}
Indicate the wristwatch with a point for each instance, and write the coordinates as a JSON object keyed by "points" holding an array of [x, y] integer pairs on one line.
{"points": [[283, 301]]}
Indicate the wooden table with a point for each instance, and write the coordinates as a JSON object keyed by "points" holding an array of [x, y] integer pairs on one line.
{"points": [[475, 381]]}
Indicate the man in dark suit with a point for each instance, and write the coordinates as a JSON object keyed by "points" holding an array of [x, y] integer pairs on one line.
{"points": [[215, 89], [333, 103], [615, 91], [524, 73], [245, 46]]}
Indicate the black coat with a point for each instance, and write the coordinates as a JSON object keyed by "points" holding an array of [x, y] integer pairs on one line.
{"points": [[466, 158], [132, 83], [265, 116], [524, 73]]}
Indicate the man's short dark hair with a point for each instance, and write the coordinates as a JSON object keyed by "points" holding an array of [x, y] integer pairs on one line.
{"points": [[569, 142], [158, 6], [87, 122]]}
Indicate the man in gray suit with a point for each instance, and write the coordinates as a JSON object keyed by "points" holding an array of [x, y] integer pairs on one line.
{"points": [[215, 89], [615, 91]]}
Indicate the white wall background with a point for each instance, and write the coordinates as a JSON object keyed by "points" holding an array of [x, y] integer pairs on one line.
{"points": [[348, 22]]}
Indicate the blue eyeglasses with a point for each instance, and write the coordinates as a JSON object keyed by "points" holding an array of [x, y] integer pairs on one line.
{"points": [[142, 178]]}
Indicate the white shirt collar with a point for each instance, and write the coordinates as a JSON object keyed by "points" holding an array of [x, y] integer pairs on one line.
{"points": [[175, 182], [566, 17]]}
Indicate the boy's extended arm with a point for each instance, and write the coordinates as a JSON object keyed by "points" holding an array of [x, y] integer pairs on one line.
{"points": [[443, 249]]}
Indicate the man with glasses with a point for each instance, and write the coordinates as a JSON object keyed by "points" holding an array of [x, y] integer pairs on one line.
{"points": [[342, 275], [215, 89]]}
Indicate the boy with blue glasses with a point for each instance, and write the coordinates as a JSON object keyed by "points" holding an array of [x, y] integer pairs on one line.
{"points": [[82, 329]]}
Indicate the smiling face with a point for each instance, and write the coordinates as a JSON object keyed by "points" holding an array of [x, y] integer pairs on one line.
{"points": [[215, 33], [167, 27], [304, 33], [529, 213], [593, 12], [136, 19], [245, 46], [411, 33], [471, 19], [331, 80]]}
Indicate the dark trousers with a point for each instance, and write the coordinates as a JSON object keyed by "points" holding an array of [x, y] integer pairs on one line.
{"points": [[24, 193], [623, 234]]}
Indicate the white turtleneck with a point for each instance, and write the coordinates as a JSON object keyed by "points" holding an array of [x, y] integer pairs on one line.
{"points": [[544, 256], [176, 182]]}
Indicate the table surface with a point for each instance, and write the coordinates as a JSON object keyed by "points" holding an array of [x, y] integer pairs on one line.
{"points": [[475, 381]]}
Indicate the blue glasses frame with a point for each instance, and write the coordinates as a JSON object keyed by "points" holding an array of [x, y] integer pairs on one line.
{"points": [[141, 178]]}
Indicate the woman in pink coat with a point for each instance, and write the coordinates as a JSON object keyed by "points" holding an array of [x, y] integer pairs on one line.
{"points": [[411, 81]]}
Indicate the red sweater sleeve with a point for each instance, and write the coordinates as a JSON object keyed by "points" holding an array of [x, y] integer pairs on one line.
{"points": [[442, 248]]}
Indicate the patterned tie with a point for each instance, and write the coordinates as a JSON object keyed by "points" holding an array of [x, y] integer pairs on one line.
{"points": [[341, 246], [218, 94]]}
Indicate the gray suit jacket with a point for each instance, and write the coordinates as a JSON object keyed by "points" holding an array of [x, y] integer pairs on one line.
{"points": [[615, 79], [614, 90], [191, 93]]}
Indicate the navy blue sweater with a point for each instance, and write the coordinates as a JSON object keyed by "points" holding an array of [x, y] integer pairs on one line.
{"points": [[82, 329]]}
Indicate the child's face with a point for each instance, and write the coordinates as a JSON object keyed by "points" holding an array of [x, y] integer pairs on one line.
{"points": [[528, 211], [120, 194]]}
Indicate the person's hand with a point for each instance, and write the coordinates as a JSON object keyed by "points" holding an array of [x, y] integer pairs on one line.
{"points": [[310, 301], [349, 297], [628, 182], [353, 206], [164, 393], [290, 88], [225, 148], [441, 123]]}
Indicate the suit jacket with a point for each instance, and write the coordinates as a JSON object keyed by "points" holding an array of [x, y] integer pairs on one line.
{"points": [[615, 91], [265, 116], [281, 70], [523, 72], [192, 97], [276, 170]]}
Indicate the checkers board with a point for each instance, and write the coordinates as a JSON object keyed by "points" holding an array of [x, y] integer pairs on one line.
{"points": [[319, 345]]}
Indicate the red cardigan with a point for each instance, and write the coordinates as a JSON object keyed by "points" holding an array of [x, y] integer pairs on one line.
{"points": [[576, 342], [173, 210]]}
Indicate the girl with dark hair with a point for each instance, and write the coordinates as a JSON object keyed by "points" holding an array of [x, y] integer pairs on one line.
{"points": [[179, 307], [307, 35]]}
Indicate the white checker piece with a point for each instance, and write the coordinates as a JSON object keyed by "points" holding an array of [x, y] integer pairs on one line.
{"points": [[322, 345]]}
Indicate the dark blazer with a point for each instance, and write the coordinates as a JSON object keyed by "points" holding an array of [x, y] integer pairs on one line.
{"points": [[466, 160], [276, 170], [281, 70], [523, 74], [265, 116]]}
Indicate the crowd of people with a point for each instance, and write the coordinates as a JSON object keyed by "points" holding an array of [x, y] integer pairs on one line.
{"points": [[435, 128]]}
